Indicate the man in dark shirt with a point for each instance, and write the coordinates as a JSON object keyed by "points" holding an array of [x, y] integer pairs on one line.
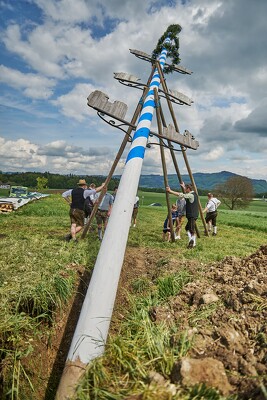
{"points": [[75, 198], [191, 199]]}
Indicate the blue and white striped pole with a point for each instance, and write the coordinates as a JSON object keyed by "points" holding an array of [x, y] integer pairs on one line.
{"points": [[92, 328]]}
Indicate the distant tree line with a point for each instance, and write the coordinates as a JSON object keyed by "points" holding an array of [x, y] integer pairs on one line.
{"points": [[54, 181], [236, 192]]}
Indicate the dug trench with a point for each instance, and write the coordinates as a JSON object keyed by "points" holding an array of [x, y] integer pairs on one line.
{"points": [[229, 346]]}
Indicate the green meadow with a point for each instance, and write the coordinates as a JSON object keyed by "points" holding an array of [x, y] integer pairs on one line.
{"points": [[38, 277], [253, 217]]}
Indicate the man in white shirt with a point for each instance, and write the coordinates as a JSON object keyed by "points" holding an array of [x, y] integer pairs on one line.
{"points": [[89, 203], [93, 196], [103, 213], [211, 210]]}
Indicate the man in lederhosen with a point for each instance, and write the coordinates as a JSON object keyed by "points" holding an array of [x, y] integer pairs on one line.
{"points": [[191, 199]]}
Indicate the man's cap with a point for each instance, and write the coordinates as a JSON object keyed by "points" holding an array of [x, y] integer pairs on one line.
{"points": [[82, 182]]}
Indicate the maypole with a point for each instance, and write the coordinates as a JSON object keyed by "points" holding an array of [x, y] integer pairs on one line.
{"points": [[92, 328]]}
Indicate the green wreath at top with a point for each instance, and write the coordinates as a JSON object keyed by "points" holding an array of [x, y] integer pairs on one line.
{"points": [[172, 47]]}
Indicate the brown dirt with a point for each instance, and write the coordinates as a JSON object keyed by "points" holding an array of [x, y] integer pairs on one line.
{"points": [[234, 335]]}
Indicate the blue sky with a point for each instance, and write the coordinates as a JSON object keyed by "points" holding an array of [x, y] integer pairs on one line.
{"points": [[54, 53]]}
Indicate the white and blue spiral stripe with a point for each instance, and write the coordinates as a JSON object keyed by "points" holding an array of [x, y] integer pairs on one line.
{"points": [[144, 123]]}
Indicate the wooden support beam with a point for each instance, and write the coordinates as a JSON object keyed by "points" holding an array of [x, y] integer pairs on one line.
{"points": [[164, 168], [165, 88]]}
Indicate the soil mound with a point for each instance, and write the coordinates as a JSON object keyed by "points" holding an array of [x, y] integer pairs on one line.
{"points": [[231, 297]]}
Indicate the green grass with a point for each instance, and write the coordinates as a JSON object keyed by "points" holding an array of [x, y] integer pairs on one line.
{"points": [[141, 347], [147, 198], [131, 355], [239, 234], [171, 284], [253, 220], [38, 272], [4, 192]]}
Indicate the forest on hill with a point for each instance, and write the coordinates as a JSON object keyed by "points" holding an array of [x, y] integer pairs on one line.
{"points": [[205, 182], [54, 181]]}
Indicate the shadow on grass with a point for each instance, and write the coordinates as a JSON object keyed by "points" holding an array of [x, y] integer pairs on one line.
{"points": [[62, 353]]}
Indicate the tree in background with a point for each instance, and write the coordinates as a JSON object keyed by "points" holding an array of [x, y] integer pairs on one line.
{"points": [[41, 183], [236, 192]]}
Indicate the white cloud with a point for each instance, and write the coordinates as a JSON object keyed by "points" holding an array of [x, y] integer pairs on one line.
{"points": [[65, 10], [20, 154], [74, 103], [41, 55], [33, 85], [80, 44], [214, 154], [58, 155]]}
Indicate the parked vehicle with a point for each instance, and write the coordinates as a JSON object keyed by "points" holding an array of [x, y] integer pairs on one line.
{"points": [[18, 191]]}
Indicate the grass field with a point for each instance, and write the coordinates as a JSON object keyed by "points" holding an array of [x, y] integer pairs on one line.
{"points": [[253, 217], [147, 198], [38, 269]]}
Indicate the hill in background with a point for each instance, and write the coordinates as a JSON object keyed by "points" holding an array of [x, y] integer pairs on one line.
{"points": [[205, 181]]}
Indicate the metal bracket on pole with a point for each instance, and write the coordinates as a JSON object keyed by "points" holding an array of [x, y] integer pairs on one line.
{"points": [[147, 57], [132, 81], [114, 122], [117, 110], [129, 80], [187, 139], [176, 97]]}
